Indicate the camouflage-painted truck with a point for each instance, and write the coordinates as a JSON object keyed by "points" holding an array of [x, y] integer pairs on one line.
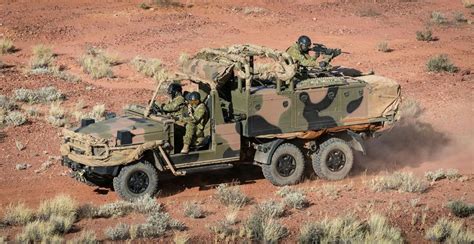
{"points": [[263, 110]]}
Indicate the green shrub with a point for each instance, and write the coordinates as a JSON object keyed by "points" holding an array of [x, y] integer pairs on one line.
{"points": [[18, 214], [6, 46], [425, 35], [441, 63], [440, 174], [461, 209], [447, 231], [401, 181], [43, 57], [231, 196]]}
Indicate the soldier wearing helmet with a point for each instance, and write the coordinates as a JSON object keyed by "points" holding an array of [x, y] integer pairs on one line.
{"points": [[300, 53], [176, 106], [195, 122]]}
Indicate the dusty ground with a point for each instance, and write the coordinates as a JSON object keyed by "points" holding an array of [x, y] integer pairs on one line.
{"points": [[441, 139]]}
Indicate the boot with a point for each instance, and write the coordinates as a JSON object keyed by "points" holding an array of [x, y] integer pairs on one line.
{"points": [[185, 149]]}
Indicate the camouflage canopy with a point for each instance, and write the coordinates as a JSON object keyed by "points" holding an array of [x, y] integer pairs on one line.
{"points": [[222, 64]]}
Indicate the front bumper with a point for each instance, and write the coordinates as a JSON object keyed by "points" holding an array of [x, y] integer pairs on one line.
{"points": [[99, 171]]}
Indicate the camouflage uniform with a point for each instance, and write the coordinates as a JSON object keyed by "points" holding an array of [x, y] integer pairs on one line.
{"points": [[303, 59], [195, 123], [175, 107]]}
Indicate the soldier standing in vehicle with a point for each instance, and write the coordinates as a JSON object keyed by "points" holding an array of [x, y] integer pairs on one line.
{"points": [[195, 122], [300, 53], [177, 105]]}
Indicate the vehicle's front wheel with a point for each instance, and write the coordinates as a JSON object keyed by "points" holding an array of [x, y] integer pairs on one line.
{"points": [[136, 180], [333, 160], [286, 167]]}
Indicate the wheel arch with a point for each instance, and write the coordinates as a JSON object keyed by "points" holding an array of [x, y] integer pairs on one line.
{"points": [[264, 151], [355, 141]]}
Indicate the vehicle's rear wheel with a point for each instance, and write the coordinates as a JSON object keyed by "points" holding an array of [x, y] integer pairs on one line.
{"points": [[286, 167], [333, 160], [136, 180]]}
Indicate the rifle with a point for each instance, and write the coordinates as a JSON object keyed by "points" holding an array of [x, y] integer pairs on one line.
{"points": [[321, 49]]}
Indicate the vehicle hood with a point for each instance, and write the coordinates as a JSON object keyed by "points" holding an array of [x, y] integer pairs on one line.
{"points": [[108, 128]]}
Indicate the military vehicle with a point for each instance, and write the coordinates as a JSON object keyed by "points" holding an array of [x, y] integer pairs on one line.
{"points": [[262, 111]]}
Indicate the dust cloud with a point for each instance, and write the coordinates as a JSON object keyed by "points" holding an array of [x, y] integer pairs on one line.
{"points": [[415, 145]]}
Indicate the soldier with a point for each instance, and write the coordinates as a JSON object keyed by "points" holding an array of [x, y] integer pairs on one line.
{"points": [[300, 53], [177, 105], [195, 122]]}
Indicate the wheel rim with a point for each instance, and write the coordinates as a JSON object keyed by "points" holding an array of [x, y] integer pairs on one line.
{"points": [[286, 165], [138, 182], [336, 160]]}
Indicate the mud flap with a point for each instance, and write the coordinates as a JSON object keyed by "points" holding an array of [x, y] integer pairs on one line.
{"points": [[355, 141], [265, 151]]}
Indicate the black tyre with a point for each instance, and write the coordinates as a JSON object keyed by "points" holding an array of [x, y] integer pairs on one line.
{"points": [[136, 180], [286, 167], [333, 160]]}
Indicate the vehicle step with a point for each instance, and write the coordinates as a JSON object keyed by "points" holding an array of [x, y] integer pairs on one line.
{"points": [[205, 168]]}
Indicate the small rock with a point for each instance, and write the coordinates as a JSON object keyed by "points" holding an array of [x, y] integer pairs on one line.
{"points": [[44, 166], [22, 166], [19, 145], [45, 152]]}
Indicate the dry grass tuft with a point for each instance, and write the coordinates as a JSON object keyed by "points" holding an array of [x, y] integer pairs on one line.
{"points": [[43, 57], [193, 210], [461, 209], [156, 226], [6, 103], [46, 231], [120, 232], [14, 118], [447, 231], [86, 237], [262, 226], [18, 214], [451, 174], [167, 3], [441, 63], [348, 229], [231, 196], [143, 205], [149, 67], [468, 3], [401, 181], [425, 35], [144, 6], [368, 12], [98, 63], [183, 59], [181, 238], [293, 198], [6, 46], [41, 95], [57, 115], [383, 47], [438, 18], [61, 205], [253, 10], [459, 17]]}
